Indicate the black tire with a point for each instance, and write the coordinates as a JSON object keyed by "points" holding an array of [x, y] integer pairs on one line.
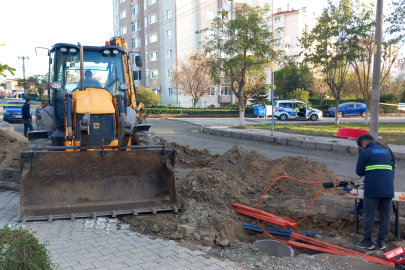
{"points": [[283, 117], [340, 115], [39, 143], [363, 114], [313, 117], [145, 138]]}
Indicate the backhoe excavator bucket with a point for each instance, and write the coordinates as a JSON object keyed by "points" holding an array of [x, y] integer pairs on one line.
{"points": [[69, 184]]}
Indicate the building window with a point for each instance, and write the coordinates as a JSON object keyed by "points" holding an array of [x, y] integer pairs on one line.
{"points": [[146, 40], [152, 18], [225, 90], [136, 75], [211, 91], [169, 33], [210, 14], [154, 74], [135, 9], [117, 33], [144, 5], [122, 1], [116, 3], [123, 30], [146, 56], [136, 26], [147, 74], [169, 72], [145, 21], [168, 14], [117, 18], [278, 31], [152, 37], [278, 20], [136, 42], [169, 53], [123, 14], [153, 56], [171, 92], [152, 2]]}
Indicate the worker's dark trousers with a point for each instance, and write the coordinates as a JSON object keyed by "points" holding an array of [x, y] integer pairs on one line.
{"points": [[27, 124], [370, 206]]}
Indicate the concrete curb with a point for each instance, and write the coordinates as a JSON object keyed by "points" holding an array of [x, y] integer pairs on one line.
{"points": [[290, 142]]}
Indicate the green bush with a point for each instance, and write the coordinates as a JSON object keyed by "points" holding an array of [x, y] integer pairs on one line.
{"points": [[19, 249], [208, 111], [390, 98], [148, 97], [299, 94]]}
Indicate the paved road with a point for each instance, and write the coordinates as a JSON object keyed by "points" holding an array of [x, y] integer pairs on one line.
{"points": [[252, 121]]}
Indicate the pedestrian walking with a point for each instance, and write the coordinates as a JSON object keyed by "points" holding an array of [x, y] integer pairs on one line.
{"points": [[26, 116], [377, 165]]}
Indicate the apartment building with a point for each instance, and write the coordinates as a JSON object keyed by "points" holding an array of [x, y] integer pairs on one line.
{"points": [[164, 31], [293, 22]]}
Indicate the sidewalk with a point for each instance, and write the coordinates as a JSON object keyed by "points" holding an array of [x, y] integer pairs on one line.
{"points": [[101, 244], [297, 140]]}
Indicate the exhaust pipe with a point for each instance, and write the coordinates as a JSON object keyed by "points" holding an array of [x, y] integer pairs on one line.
{"points": [[81, 67]]}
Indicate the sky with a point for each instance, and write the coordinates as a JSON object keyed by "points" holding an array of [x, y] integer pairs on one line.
{"points": [[26, 24]]}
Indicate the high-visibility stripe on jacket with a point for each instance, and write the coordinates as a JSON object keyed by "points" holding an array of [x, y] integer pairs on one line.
{"points": [[378, 166]]}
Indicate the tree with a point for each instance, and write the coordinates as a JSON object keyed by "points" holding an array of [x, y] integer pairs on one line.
{"points": [[233, 46], [4, 85], [4, 67], [299, 94], [31, 83], [396, 20], [191, 77], [319, 86], [148, 97], [364, 29], [329, 45], [292, 77]]}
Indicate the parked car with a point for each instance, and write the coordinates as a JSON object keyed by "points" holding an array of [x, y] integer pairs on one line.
{"points": [[294, 109], [13, 110], [349, 108]]}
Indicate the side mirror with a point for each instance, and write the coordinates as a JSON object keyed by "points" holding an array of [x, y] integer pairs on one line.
{"points": [[138, 61], [56, 85], [345, 107]]}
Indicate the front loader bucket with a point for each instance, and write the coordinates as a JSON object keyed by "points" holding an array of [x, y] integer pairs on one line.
{"points": [[70, 184]]}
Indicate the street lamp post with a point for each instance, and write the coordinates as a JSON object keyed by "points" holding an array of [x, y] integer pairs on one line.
{"points": [[25, 86]]}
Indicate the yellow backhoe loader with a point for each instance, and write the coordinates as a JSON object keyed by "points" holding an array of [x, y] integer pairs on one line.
{"points": [[95, 155]]}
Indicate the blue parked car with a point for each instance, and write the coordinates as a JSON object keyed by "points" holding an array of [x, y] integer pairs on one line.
{"points": [[13, 110], [350, 108]]}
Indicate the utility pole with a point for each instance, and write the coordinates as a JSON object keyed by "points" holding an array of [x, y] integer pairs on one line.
{"points": [[25, 86], [375, 92], [272, 75]]}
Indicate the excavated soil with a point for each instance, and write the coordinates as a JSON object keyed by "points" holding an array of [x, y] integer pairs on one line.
{"points": [[11, 142], [240, 176]]}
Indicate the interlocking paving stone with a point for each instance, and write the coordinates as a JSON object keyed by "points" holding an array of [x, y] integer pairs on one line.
{"points": [[74, 246]]}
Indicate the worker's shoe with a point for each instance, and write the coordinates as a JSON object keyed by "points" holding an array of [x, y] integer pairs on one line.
{"points": [[367, 244], [380, 244]]}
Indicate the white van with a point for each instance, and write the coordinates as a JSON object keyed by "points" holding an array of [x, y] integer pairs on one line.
{"points": [[294, 109]]}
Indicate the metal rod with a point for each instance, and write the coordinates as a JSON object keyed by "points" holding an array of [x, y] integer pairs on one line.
{"points": [[375, 92], [25, 86], [98, 147], [81, 67], [272, 75]]}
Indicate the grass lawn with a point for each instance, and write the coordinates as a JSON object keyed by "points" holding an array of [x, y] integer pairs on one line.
{"points": [[386, 131]]}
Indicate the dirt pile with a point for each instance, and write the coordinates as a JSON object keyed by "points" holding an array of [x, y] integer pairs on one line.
{"points": [[241, 176], [190, 158], [11, 142]]}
